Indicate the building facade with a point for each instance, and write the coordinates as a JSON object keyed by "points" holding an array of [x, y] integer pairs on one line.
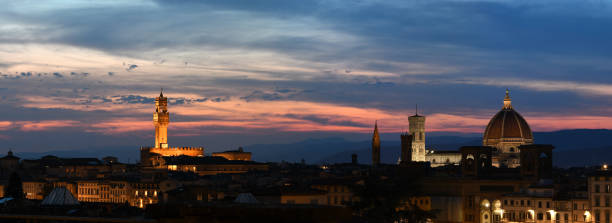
{"points": [[600, 195], [239, 154]]}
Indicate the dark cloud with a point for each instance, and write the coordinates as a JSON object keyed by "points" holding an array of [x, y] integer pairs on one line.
{"points": [[275, 95], [111, 73], [82, 74], [325, 120], [133, 99], [509, 37], [131, 67], [58, 75]]}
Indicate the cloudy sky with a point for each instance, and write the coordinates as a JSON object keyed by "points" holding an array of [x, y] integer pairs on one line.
{"points": [[84, 74]]}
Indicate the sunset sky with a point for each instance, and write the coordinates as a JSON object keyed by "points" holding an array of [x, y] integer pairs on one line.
{"points": [[84, 74]]}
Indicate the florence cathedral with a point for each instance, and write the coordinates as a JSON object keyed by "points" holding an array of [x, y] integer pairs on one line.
{"points": [[506, 131]]}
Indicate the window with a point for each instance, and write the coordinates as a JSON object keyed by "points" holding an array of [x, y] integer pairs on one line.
{"points": [[597, 216], [575, 208], [607, 200], [539, 204], [597, 201], [607, 188], [596, 188], [547, 204], [540, 216]]}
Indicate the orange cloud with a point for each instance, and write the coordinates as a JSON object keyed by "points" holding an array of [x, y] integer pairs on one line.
{"points": [[237, 115], [5, 125], [28, 126], [117, 126]]}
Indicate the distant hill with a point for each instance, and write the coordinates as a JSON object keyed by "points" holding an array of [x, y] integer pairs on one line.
{"points": [[576, 147], [126, 154], [573, 147], [575, 139], [583, 157]]}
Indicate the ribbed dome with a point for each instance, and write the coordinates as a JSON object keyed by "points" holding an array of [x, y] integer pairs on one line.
{"points": [[507, 125]]}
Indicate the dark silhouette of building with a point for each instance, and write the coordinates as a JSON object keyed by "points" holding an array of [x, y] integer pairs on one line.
{"points": [[406, 147], [475, 160], [375, 146], [536, 161]]}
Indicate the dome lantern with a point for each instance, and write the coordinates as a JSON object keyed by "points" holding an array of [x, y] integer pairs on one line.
{"points": [[507, 100]]}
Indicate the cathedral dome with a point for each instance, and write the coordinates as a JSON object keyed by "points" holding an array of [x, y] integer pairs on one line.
{"points": [[507, 126]]}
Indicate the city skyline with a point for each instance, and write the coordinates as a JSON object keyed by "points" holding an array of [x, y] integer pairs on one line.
{"points": [[76, 74], [420, 111]]}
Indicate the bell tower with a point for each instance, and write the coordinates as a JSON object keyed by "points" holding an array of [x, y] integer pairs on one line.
{"points": [[416, 128], [161, 118]]}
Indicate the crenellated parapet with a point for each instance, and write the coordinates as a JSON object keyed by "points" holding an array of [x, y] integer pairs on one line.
{"points": [[177, 151], [146, 153]]}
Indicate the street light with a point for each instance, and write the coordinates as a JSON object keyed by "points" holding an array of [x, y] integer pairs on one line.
{"points": [[552, 215], [587, 216]]}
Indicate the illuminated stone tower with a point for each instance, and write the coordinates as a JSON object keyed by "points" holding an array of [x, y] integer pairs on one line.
{"points": [[375, 146], [417, 130], [161, 118]]}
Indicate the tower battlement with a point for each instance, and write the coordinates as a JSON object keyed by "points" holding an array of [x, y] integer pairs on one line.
{"points": [[175, 151], [172, 148], [146, 153]]}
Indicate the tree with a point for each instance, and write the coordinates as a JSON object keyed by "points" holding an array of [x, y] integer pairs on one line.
{"points": [[14, 188]]}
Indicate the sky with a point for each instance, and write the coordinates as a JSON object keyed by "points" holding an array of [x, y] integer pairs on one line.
{"points": [[84, 74]]}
